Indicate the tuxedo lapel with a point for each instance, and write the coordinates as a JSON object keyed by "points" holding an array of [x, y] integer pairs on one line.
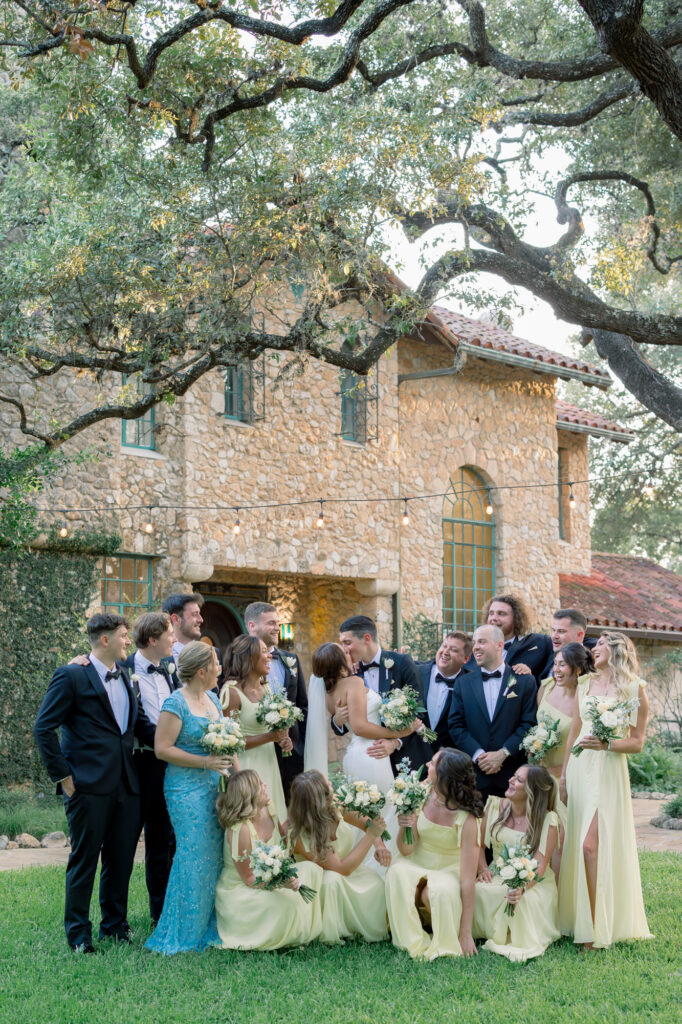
{"points": [[507, 683], [132, 699], [476, 684], [384, 686], [426, 680], [98, 687]]}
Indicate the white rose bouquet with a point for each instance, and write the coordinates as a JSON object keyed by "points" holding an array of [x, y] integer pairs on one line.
{"points": [[408, 794], [541, 738], [610, 719], [400, 707], [224, 738], [276, 711], [516, 868], [273, 866], [360, 796]]}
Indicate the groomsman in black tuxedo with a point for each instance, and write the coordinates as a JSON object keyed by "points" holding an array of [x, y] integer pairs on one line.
{"points": [[527, 653], [286, 675], [153, 679], [491, 711], [95, 707], [568, 627], [383, 671], [185, 615], [438, 677]]}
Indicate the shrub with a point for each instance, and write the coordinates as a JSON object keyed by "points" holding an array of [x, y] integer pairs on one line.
{"points": [[422, 637], [656, 768], [674, 807]]}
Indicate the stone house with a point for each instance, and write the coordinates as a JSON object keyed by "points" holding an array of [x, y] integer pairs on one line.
{"points": [[452, 472]]}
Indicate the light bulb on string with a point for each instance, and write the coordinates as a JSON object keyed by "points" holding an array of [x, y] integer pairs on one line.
{"points": [[64, 530], [406, 514], [236, 528], [149, 526], [571, 496], [320, 519], [489, 508]]}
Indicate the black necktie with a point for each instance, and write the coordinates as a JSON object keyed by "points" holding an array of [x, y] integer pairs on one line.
{"points": [[442, 679], [485, 676], [112, 675], [372, 664]]}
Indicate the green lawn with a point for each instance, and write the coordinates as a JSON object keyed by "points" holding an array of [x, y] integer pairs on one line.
{"points": [[23, 809], [41, 981]]}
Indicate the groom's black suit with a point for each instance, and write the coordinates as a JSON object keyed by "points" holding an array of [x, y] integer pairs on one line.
{"points": [[294, 688], [104, 811], [472, 729]]}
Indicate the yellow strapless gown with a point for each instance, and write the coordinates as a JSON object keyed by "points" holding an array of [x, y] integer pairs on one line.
{"points": [[262, 759], [436, 858], [598, 783], [249, 918], [535, 922], [352, 905]]}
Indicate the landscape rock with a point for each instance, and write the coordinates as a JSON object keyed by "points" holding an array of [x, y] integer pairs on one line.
{"points": [[665, 821], [53, 839], [11, 845], [4, 842], [27, 842]]}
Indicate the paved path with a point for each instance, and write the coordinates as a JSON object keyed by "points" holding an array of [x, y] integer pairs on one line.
{"points": [[648, 838]]}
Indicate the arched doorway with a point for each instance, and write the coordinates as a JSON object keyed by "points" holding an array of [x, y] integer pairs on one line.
{"points": [[222, 623]]}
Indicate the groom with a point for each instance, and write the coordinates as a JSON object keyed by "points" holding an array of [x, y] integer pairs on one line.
{"points": [[382, 671]]}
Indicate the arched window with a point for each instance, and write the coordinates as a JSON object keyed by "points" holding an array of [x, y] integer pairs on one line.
{"points": [[468, 550]]}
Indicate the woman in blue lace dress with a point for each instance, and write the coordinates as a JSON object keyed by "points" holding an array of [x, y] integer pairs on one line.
{"points": [[191, 787]]}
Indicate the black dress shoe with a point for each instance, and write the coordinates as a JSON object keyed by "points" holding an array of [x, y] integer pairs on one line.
{"points": [[125, 935], [83, 947]]}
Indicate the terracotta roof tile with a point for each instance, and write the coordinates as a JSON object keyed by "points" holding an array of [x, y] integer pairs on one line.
{"points": [[567, 413], [627, 592], [489, 336]]}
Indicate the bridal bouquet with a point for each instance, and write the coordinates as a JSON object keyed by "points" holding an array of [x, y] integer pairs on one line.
{"points": [[609, 719], [360, 796], [408, 793], [273, 867], [224, 737], [542, 737], [399, 708], [516, 868], [276, 711]]}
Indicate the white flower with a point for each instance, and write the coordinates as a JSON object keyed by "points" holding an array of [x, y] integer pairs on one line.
{"points": [[609, 719], [499, 862], [523, 874], [291, 663], [134, 678], [507, 871], [541, 732], [171, 667], [273, 718], [388, 662]]}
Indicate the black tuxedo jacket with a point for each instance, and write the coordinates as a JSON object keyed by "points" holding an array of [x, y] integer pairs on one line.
{"points": [[441, 726], [129, 665], [472, 729], [294, 684], [92, 748], [534, 650]]}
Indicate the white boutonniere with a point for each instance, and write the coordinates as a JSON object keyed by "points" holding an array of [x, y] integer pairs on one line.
{"points": [[509, 689], [291, 665], [134, 678], [388, 662], [171, 667]]}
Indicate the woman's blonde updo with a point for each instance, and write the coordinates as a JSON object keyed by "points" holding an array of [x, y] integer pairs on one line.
{"points": [[192, 657]]}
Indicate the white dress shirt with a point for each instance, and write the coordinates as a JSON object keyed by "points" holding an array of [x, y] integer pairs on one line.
{"points": [[508, 644], [116, 692], [276, 674], [491, 691], [371, 675], [438, 694], [154, 688]]}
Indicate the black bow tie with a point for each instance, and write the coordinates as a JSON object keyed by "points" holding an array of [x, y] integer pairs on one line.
{"points": [[372, 664], [112, 675], [156, 668], [507, 644], [485, 676], [443, 679]]}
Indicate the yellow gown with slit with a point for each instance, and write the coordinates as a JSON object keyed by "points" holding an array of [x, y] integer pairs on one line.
{"points": [[262, 759], [249, 918], [436, 858], [535, 922], [598, 783], [352, 905]]}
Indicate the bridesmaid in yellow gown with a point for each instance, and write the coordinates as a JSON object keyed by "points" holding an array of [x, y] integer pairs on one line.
{"points": [[351, 894], [527, 811], [600, 891], [248, 917], [556, 697], [435, 875], [246, 664]]}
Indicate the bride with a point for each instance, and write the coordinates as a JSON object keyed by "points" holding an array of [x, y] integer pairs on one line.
{"points": [[333, 683]]}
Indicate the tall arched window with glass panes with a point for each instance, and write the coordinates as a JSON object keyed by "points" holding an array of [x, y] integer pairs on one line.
{"points": [[468, 550]]}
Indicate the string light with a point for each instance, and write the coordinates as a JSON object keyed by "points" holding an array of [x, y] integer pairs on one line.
{"points": [[149, 526], [648, 489], [406, 514], [64, 530], [489, 508], [236, 528], [571, 496], [320, 518]]}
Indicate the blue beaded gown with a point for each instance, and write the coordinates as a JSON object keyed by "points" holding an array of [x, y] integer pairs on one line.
{"points": [[188, 922]]}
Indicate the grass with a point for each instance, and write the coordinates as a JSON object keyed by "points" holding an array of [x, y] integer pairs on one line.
{"points": [[23, 809], [40, 981]]}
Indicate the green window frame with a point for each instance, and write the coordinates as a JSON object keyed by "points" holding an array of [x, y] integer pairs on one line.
{"points": [[468, 550], [127, 584], [245, 390], [359, 405], [138, 433]]}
